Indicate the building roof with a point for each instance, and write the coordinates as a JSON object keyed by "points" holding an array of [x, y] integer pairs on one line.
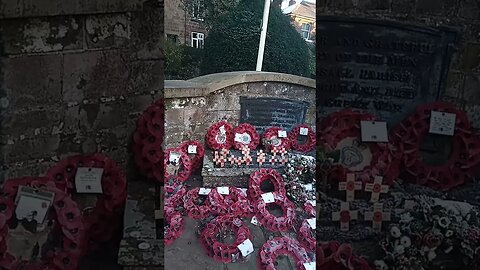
{"points": [[301, 8]]}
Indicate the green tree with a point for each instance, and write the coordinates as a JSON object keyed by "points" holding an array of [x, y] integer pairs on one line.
{"points": [[232, 42]]}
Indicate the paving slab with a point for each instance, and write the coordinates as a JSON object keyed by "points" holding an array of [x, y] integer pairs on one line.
{"points": [[187, 253]]}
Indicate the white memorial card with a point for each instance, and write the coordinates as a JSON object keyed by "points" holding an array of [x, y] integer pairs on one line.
{"points": [[308, 187], [33, 204], [312, 222], [244, 191], [374, 131], [312, 202], [303, 131], [246, 247], [204, 191], [268, 197], [254, 220], [174, 157], [442, 123], [310, 266], [192, 149], [282, 134], [238, 137], [89, 180], [223, 190]]}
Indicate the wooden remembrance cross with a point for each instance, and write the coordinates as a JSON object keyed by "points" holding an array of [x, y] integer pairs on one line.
{"points": [[345, 215], [376, 188], [377, 216], [350, 186]]}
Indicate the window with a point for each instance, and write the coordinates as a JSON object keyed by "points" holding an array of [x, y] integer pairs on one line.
{"points": [[198, 10], [306, 28], [197, 40]]}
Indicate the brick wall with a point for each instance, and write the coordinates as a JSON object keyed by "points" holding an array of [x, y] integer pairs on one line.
{"points": [[190, 111], [180, 24], [74, 78], [463, 81]]}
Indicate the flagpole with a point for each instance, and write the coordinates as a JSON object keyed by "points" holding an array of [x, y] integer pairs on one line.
{"points": [[263, 35]]}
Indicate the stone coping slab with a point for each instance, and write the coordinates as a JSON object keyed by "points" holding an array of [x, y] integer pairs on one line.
{"points": [[204, 85]]}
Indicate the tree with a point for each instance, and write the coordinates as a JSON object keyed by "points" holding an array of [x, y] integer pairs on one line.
{"points": [[232, 42]]}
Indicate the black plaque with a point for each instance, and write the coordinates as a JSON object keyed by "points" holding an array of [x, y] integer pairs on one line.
{"points": [[382, 67], [267, 112]]}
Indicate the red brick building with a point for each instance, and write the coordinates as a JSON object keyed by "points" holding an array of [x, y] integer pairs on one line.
{"points": [[185, 25], [303, 14]]}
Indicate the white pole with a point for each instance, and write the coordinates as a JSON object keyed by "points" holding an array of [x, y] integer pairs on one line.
{"points": [[263, 35]]}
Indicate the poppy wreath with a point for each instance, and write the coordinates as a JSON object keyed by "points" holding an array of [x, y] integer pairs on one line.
{"points": [[108, 206], [464, 157], [174, 224], [185, 166], [147, 141], [197, 159], [346, 124], [245, 135], [272, 222], [310, 209], [236, 203], [309, 145], [306, 236], [282, 246], [271, 139], [219, 136], [258, 177], [335, 256], [175, 199], [64, 218], [220, 251], [195, 210]]}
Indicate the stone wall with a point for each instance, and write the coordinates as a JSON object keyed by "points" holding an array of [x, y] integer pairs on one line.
{"points": [[75, 76], [192, 106], [463, 81]]}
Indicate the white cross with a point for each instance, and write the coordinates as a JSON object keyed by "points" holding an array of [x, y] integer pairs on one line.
{"points": [[245, 150], [376, 188], [345, 215], [350, 186], [377, 216], [261, 157], [283, 159], [273, 159], [232, 159], [216, 158], [224, 152], [248, 159]]}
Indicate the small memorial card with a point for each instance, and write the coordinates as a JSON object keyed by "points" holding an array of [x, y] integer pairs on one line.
{"points": [[204, 191], [442, 123], [303, 131], [222, 129], [312, 202], [374, 131], [192, 149], [89, 180], [33, 204], [312, 222], [246, 247], [268, 197], [244, 191], [238, 137], [223, 190], [283, 133], [254, 220], [308, 187], [310, 266], [174, 157]]}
